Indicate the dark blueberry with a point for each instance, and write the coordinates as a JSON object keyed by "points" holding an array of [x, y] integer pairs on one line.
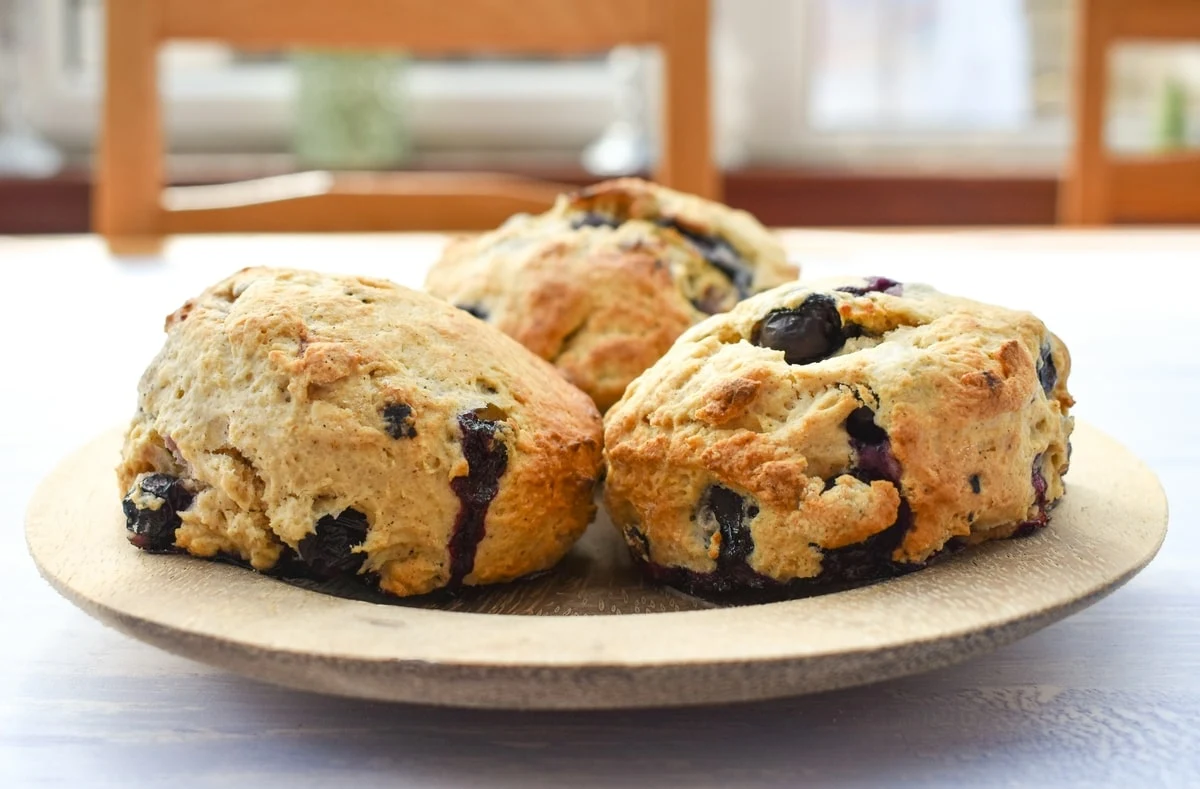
{"points": [[852, 330], [851, 564], [885, 285], [806, 334], [592, 219], [875, 285], [717, 251], [876, 461], [474, 309], [487, 459], [1027, 529], [289, 564], [327, 551], [720, 254], [291, 569], [974, 480], [739, 584], [862, 428], [1047, 372], [351, 586], [224, 557], [1039, 481], [873, 448], [871, 558], [732, 516], [398, 417], [1042, 517], [154, 530]]}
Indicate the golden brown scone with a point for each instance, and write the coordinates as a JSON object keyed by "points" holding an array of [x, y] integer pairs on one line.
{"points": [[604, 282], [327, 426], [837, 431]]}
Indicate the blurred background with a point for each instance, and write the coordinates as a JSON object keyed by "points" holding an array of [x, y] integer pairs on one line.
{"points": [[826, 112]]}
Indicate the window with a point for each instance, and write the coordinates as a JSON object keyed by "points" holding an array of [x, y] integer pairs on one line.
{"points": [[218, 100], [903, 84], [1155, 92], [936, 82]]}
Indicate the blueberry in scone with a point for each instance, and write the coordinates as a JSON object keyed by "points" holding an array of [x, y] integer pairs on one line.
{"points": [[837, 432], [604, 282], [332, 427], [152, 510]]}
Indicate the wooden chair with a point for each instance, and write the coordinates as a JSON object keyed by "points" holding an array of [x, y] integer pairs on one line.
{"points": [[1100, 189], [132, 210]]}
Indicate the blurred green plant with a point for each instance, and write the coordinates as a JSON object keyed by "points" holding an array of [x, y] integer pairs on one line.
{"points": [[1172, 120], [351, 110]]}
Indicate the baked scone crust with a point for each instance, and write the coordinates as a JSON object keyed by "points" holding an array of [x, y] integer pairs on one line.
{"points": [[286, 399], [936, 421], [604, 282]]}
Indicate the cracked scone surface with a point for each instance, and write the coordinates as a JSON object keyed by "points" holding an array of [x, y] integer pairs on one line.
{"points": [[326, 426], [837, 432], [605, 281]]}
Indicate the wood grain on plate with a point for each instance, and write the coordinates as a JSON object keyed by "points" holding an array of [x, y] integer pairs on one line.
{"points": [[648, 652]]}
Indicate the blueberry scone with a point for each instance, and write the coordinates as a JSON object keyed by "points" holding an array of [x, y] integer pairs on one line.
{"points": [[326, 427], [604, 282], [837, 432]]}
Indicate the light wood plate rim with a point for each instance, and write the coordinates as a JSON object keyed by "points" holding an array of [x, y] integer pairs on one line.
{"points": [[1109, 526]]}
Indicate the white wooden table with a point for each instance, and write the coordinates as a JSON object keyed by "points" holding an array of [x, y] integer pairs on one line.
{"points": [[1109, 697]]}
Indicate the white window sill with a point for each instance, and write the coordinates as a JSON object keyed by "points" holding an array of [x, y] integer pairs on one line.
{"points": [[248, 107]]}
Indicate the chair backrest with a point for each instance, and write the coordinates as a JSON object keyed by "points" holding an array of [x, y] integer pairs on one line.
{"points": [[131, 209], [1100, 188]]}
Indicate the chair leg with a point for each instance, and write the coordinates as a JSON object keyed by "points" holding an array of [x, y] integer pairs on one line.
{"points": [[687, 160], [1084, 192], [125, 208]]}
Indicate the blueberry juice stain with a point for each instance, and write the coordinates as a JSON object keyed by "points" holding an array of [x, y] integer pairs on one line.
{"points": [[487, 460]]}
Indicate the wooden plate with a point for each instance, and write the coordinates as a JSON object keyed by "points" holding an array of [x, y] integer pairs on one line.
{"points": [[590, 634]]}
